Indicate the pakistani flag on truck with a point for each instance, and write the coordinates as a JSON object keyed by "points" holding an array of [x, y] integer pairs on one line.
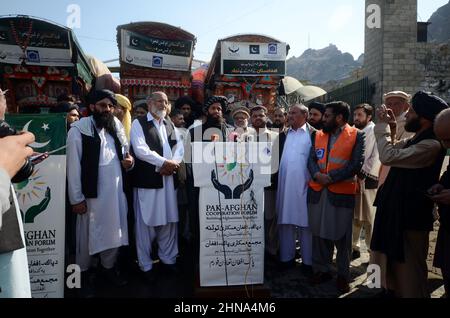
{"points": [[42, 200]]}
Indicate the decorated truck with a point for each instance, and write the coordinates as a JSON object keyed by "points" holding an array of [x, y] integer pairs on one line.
{"points": [[247, 69], [39, 61], [155, 57]]}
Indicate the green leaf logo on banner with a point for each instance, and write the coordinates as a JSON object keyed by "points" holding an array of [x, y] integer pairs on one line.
{"points": [[37, 209]]}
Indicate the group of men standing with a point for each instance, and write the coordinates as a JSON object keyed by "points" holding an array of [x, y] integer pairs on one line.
{"points": [[329, 186], [100, 162], [381, 178]]}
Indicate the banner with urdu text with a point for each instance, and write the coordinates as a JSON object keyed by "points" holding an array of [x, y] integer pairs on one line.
{"points": [[231, 209], [42, 201]]}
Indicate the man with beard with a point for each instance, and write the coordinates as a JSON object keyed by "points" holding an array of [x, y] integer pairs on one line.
{"points": [[262, 135], [404, 216], [214, 129], [367, 179], [399, 103], [316, 111], [97, 159], [215, 124], [241, 116], [337, 156], [279, 120], [441, 195], [159, 151]]}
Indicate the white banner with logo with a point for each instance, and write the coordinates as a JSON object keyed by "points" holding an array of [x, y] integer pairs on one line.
{"points": [[231, 178], [42, 199], [156, 53], [253, 59], [253, 51], [13, 54]]}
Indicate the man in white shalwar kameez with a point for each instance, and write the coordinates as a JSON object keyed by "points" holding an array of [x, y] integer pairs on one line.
{"points": [[293, 188], [367, 179], [159, 152], [96, 157]]}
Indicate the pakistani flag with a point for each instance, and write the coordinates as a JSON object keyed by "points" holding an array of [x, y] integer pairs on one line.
{"points": [[42, 200]]}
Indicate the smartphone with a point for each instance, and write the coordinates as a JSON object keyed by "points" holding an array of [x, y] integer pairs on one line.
{"points": [[37, 157]]}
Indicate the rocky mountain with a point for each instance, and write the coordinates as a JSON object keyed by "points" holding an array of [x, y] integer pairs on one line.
{"points": [[321, 66], [439, 29]]}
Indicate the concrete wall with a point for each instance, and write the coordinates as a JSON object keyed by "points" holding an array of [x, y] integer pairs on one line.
{"points": [[393, 58], [373, 52]]}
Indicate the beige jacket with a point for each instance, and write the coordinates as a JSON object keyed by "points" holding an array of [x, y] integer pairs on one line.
{"points": [[420, 155]]}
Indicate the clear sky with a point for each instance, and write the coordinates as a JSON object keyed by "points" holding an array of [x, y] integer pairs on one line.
{"points": [[303, 24]]}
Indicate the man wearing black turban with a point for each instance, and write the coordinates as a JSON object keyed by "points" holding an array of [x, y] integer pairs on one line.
{"points": [[97, 160], [214, 129], [404, 216], [215, 123]]}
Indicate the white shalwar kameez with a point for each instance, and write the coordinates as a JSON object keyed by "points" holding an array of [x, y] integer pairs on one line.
{"points": [[103, 229], [292, 196], [156, 210]]}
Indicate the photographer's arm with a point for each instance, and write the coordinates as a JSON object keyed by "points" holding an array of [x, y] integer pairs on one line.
{"points": [[13, 153], [5, 186]]}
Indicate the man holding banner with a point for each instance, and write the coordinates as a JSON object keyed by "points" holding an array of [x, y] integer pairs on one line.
{"points": [[97, 157]]}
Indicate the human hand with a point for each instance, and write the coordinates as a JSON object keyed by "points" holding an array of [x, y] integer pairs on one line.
{"points": [[169, 168], [323, 179], [14, 152], [436, 189], [442, 198], [127, 162], [386, 115], [80, 208]]}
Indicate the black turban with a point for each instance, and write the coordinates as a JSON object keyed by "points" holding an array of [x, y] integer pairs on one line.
{"points": [[184, 100], [319, 106], [96, 96], [427, 105], [216, 99], [62, 107]]}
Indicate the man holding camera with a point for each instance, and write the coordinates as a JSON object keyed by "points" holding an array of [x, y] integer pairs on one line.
{"points": [[14, 276]]}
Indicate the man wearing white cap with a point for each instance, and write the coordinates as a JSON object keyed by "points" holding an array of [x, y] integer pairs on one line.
{"points": [[241, 116], [398, 102]]}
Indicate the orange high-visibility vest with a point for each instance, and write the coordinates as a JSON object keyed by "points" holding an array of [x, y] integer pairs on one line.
{"points": [[338, 158]]}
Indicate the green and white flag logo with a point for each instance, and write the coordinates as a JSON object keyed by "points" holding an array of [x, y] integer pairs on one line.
{"points": [[49, 130], [42, 201]]}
